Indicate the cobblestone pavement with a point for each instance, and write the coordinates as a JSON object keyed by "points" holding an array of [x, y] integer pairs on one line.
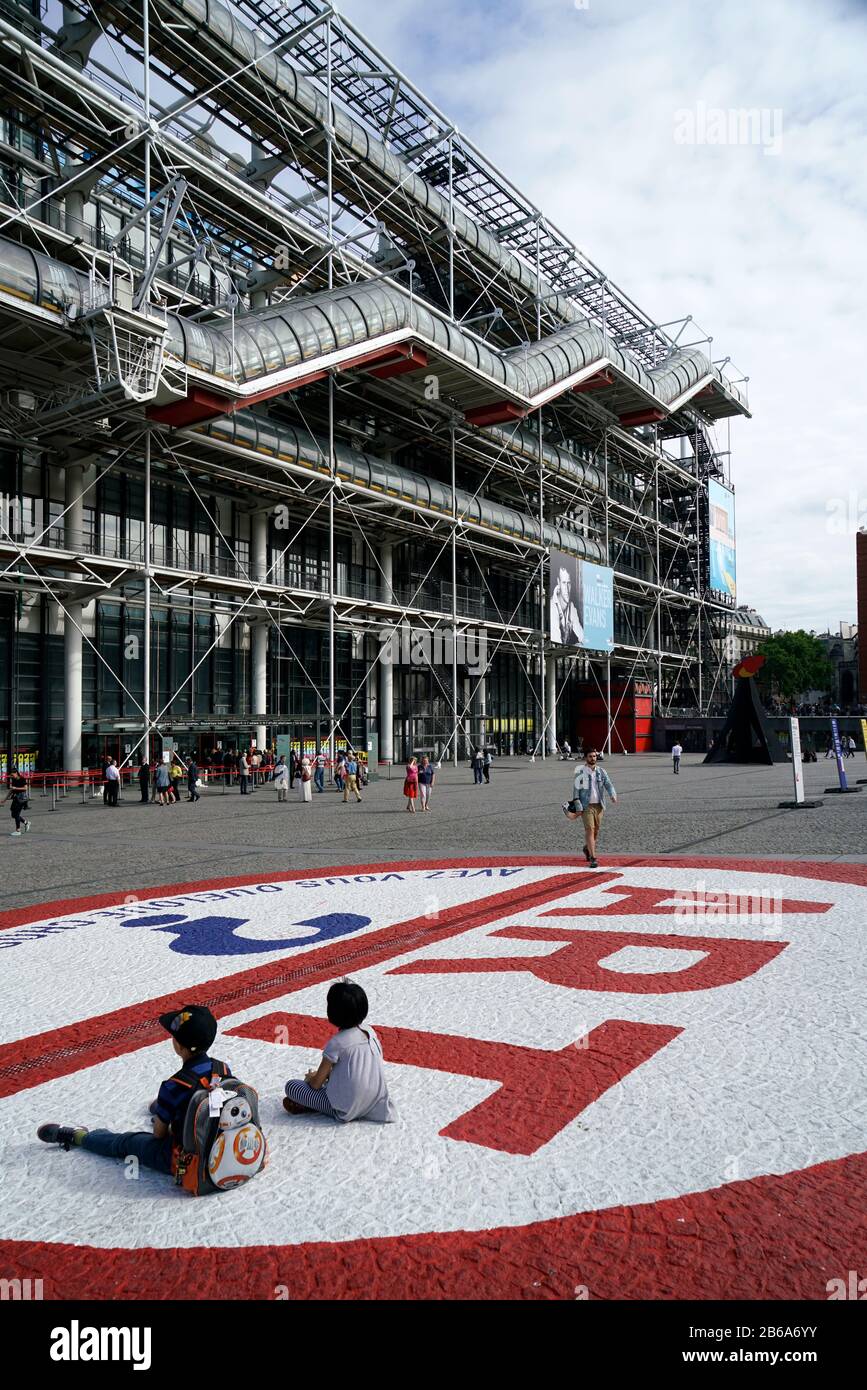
{"points": [[727, 811], [638, 1083]]}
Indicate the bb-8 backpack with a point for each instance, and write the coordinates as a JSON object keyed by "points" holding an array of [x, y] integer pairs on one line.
{"points": [[222, 1144]]}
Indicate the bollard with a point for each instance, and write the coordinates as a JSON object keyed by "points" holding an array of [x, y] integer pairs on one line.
{"points": [[54, 796]]}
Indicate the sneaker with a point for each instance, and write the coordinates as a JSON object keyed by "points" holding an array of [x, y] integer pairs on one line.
{"points": [[64, 1135], [14, 832], [27, 825]]}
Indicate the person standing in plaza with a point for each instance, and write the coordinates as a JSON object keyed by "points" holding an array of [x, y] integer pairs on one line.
{"points": [[410, 784], [426, 779], [255, 761], [192, 779], [592, 785], [163, 784], [112, 782], [244, 773], [18, 793], [281, 779], [487, 761], [351, 782], [478, 760], [676, 755], [321, 763], [306, 779], [177, 773], [144, 781], [339, 769]]}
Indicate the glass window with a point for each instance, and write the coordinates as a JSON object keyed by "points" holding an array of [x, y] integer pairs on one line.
{"points": [[134, 539]]}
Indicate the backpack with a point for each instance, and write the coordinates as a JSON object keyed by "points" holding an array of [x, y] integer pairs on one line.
{"points": [[222, 1144]]}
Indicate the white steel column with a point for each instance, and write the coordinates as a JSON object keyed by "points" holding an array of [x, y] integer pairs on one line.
{"points": [[72, 636], [551, 703], [454, 602], [259, 630], [482, 707], [608, 656], [386, 672]]}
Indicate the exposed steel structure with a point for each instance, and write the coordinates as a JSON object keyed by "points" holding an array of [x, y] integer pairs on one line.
{"points": [[287, 363]]}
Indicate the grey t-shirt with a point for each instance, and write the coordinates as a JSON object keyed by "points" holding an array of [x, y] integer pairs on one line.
{"points": [[356, 1087]]}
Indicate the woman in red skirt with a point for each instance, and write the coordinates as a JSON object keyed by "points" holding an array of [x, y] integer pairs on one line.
{"points": [[410, 785]]}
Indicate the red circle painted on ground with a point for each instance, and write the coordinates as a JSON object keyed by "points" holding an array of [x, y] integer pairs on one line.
{"points": [[774, 1237]]}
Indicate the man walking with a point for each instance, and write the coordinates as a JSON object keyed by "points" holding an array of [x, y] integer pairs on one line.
{"points": [[350, 768], [144, 781], [18, 792], [319, 773], [478, 758], [592, 785], [676, 754], [192, 780]]}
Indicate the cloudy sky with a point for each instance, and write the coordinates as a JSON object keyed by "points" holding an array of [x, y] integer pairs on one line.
{"points": [[579, 105]]}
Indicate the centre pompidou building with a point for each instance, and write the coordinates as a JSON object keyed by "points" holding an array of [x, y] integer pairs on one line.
{"points": [[287, 366]]}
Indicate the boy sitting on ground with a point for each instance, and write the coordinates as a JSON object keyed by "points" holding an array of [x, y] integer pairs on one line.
{"points": [[193, 1029]]}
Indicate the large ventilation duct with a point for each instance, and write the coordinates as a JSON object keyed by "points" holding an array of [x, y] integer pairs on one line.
{"points": [[284, 443], [30, 277], [212, 30], [266, 350], [555, 459]]}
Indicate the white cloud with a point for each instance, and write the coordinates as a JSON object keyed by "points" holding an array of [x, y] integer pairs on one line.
{"points": [[578, 108]]}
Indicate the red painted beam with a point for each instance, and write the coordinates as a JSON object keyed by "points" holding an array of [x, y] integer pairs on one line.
{"points": [[643, 417], [198, 405], [407, 361], [497, 413], [595, 383], [280, 390]]}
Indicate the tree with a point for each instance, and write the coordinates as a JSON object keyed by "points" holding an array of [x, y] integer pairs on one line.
{"points": [[795, 662]]}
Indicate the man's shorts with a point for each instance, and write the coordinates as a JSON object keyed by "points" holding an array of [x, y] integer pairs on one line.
{"points": [[592, 818]]}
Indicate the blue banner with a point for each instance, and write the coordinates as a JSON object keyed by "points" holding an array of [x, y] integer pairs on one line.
{"points": [[598, 607], [723, 560], [838, 754]]}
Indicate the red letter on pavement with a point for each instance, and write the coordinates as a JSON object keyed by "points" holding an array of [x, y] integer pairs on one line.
{"points": [[540, 1092], [577, 965]]}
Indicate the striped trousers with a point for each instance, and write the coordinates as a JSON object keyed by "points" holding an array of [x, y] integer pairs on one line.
{"points": [[302, 1094]]}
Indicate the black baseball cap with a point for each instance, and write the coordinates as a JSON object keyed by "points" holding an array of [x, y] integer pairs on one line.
{"points": [[193, 1025]]}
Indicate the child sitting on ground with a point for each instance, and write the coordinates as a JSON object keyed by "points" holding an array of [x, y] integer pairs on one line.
{"points": [[349, 1083], [193, 1029]]}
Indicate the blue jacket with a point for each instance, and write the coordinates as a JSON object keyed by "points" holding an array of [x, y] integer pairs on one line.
{"points": [[581, 788]]}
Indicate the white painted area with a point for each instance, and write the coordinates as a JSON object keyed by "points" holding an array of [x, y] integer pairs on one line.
{"points": [[645, 960], [766, 1077]]}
